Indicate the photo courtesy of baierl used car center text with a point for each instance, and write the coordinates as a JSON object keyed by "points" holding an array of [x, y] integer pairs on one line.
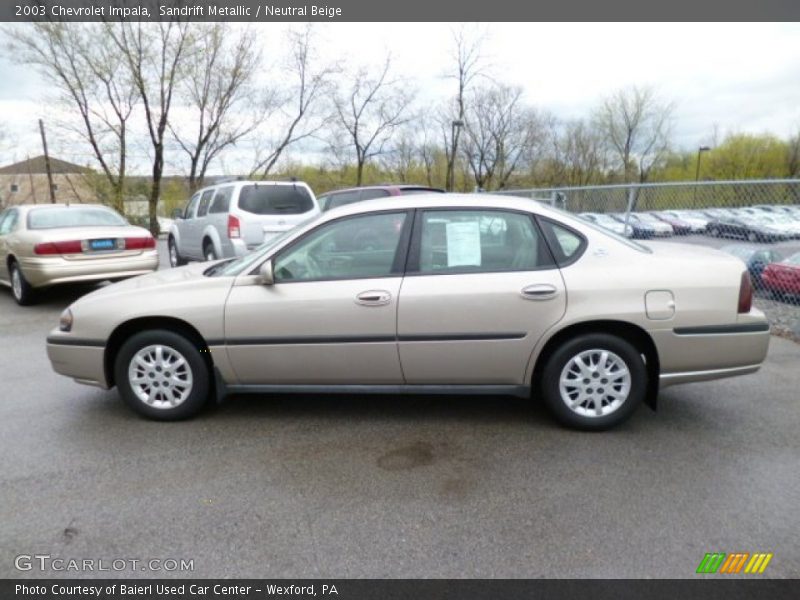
{"points": [[368, 300]]}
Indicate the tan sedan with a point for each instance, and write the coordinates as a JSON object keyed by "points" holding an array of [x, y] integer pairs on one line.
{"points": [[452, 294], [45, 245]]}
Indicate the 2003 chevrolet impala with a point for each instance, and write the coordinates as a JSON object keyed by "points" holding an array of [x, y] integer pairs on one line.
{"points": [[456, 294]]}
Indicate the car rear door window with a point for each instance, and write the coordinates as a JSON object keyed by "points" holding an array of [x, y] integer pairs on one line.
{"points": [[566, 244], [359, 247], [275, 199], [456, 241], [222, 200], [205, 202]]}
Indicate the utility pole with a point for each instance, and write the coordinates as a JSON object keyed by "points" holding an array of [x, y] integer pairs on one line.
{"points": [[47, 164], [30, 178]]}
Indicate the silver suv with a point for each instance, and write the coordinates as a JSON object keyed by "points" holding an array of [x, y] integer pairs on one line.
{"points": [[230, 219]]}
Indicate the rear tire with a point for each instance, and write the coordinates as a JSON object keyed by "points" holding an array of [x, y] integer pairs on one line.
{"points": [[161, 375], [175, 259], [22, 291], [594, 381], [208, 251], [752, 237], [713, 232]]}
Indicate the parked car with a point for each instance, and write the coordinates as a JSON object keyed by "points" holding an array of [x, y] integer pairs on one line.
{"points": [[471, 294], [338, 198], [640, 230], [745, 228], [783, 278], [50, 244], [608, 222], [231, 219], [679, 226], [756, 258], [696, 220], [786, 225]]}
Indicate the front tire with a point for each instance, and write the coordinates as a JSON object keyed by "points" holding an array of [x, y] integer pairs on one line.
{"points": [[161, 375], [22, 291], [594, 381]]}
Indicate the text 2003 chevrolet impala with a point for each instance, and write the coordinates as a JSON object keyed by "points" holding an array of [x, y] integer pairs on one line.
{"points": [[454, 294]]}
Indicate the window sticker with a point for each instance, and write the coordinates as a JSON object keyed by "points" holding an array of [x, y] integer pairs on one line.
{"points": [[463, 244]]}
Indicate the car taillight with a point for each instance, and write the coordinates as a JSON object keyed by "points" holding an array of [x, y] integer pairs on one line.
{"points": [[50, 248], [140, 243], [745, 293], [233, 227]]}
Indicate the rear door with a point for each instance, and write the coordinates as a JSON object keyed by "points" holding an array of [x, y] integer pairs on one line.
{"points": [[218, 218], [265, 210], [195, 225], [480, 290]]}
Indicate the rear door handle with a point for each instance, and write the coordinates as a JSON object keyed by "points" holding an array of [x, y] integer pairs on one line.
{"points": [[374, 298], [539, 291]]}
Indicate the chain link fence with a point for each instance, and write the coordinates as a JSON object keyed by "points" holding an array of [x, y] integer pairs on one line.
{"points": [[758, 221]]}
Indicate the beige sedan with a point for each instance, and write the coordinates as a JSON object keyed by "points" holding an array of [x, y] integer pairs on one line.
{"points": [[45, 245], [446, 294]]}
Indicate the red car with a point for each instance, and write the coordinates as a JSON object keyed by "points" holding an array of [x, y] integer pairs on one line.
{"points": [[336, 198], [783, 277], [680, 226]]}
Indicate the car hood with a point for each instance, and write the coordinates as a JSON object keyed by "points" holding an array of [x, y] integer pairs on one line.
{"points": [[157, 279]]}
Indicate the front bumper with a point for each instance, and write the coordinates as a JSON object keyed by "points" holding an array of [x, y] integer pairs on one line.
{"points": [[82, 360], [44, 272]]}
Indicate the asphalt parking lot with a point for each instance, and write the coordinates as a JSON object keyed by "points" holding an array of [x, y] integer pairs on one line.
{"points": [[316, 486]]}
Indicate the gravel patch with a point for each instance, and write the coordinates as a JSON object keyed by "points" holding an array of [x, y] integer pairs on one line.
{"points": [[784, 317]]}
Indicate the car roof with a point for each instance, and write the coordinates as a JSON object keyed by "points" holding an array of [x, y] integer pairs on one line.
{"points": [[386, 186], [450, 200], [29, 207]]}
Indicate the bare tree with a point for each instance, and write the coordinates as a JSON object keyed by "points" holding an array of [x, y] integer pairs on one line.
{"points": [[469, 65], [370, 111], [217, 88], [300, 103], [579, 154], [501, 133], [636, 125], [793, 159], [92, 77], [154, 54], [401, 158]]}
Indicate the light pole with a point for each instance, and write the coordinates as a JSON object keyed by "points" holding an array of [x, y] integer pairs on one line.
{"points": [[700, 151], [450, 183]]}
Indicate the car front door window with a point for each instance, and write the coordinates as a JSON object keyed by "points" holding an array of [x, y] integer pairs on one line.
{"points": [[361, 247]]}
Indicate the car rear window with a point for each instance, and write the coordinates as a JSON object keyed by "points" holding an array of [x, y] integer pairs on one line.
{"points": [[73, 216], [336, 200], [275, 199]]}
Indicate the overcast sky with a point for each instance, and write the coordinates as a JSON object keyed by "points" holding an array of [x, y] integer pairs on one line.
{"points": [[737, 77]]}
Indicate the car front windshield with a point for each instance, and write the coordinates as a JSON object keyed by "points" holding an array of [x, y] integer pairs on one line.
{"points": [[244, 263]]}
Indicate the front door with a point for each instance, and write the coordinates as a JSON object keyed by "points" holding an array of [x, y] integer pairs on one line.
{"points": [[480, 291], [331, 315]]}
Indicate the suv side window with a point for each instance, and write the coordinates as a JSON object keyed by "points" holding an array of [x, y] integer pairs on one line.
{"points": [[480, 241], [189, 212], [222, 200], [357, 247], [205, 200]]}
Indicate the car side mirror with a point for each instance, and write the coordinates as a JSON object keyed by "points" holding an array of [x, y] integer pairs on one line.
{"points": [[177, 213], [265, 274]]}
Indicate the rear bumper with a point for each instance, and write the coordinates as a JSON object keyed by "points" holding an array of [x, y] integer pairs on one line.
{"points": [[43, 272], [712, 352], [82, 360]]}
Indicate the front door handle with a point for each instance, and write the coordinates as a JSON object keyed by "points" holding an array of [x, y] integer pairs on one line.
{"points": [[539, 291], [374, 298]]}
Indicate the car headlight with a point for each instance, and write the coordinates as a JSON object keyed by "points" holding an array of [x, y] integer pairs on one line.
{"points": [[65, 320]]}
